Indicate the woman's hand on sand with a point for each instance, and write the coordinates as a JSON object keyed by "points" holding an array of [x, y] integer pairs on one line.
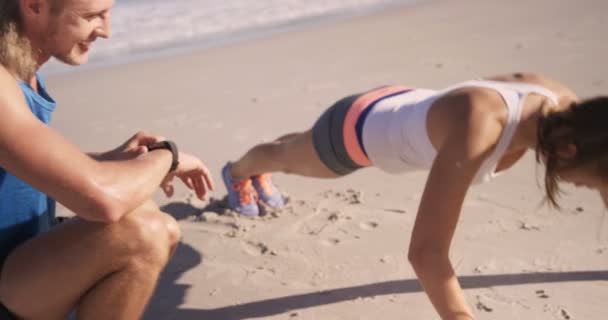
{"points": [[193, 173]]}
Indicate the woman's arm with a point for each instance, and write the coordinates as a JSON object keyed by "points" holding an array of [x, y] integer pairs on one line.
{"points": [[467, 145]]}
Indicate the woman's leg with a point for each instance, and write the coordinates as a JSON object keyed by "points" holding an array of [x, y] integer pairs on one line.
{"points": [[293, 153], [319, 152]]}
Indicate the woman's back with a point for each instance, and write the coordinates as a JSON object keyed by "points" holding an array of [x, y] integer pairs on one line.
{"points": [[403, 133]]}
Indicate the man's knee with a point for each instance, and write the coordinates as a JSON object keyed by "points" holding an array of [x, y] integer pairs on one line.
{"points": [[174, 230], [152, 234]]}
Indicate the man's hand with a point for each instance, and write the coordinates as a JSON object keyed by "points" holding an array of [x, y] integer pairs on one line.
{"points": [[193, 173], [132, 148]]}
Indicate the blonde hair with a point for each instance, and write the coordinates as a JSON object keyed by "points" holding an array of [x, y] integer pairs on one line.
{"points": [[16, 53]]}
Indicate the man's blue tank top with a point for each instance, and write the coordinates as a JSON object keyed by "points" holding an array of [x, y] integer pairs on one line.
{"points": [[24, 211]]}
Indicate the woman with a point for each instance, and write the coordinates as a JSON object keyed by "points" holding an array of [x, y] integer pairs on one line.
{"points": [[465, 134]]}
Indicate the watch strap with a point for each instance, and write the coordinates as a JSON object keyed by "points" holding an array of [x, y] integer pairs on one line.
{"points": [[167, 145]]}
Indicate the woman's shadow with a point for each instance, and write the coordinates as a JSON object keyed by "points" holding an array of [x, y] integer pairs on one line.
{"points": [[170, 295]]}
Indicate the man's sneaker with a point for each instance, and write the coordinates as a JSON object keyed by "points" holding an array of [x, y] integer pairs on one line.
{"points": [[267, 191], [242, 197]]}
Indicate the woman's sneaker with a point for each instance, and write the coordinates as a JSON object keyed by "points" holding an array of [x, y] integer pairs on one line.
{"points": [[267, 191], [242, 197]]}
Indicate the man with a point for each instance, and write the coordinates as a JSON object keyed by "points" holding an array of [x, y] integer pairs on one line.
{"points": [[105, 262]]}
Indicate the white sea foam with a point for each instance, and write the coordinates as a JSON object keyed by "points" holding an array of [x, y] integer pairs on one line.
{"points": [[148, 26]]}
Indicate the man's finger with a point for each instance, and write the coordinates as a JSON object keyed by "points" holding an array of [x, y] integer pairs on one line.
{"points": [[167, 186], [141, 150], [208, 179], [144, 141], [188, 182], [168, 189], [199, 187]]}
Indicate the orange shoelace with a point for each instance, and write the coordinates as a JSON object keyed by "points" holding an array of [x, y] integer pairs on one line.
{"points": [[246, 191], [265, 183]]}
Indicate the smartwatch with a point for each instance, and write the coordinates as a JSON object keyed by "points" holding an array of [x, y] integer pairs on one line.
{"points": [[167, 145]]}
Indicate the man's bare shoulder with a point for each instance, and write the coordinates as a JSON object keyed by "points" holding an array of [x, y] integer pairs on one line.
{"points": [[11, 97], [14, 112]]}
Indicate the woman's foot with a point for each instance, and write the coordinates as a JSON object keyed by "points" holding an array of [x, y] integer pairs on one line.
{"points": [[267, 191], [242, 197]]}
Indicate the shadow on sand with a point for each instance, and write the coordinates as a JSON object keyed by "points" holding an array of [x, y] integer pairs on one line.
{"points": [[170, 295]]}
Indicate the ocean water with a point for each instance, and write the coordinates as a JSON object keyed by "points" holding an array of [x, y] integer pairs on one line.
{"points": [[144, 27]]}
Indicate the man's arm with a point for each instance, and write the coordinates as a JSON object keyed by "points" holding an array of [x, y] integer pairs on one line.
{"points": [[99, 191], [132, 148]]}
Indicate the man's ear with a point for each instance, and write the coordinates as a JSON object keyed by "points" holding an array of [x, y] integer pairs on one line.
{"points": [[31, 7], [567, 151]]}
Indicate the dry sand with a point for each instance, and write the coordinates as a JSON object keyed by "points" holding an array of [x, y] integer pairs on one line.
{"points": [[338, 251]]}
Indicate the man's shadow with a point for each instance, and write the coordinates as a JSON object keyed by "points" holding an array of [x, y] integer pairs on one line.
{"points": [[170, 295]]}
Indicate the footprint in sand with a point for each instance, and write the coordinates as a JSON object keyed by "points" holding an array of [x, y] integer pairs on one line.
{"points": [[565, 314], [559, 312], [482, 305], [331, 242], [542, 294], [256, 249], [370, 225]]}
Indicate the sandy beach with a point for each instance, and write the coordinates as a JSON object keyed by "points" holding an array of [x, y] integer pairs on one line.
{"points": [[338, 251]]}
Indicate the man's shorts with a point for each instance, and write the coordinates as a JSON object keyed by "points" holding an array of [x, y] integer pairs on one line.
{"points": [[6, 314]]}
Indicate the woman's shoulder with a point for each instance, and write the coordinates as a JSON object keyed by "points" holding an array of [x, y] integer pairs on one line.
{"points": [[474, 101], [477, 114], [525, 77], [561, 90]]}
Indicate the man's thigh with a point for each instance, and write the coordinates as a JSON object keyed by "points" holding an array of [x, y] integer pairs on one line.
{"points": [[47, 275]]}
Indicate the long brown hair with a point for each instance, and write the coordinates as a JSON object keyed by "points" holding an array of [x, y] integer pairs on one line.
{"points": [[584, 125], [15, 51]]}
